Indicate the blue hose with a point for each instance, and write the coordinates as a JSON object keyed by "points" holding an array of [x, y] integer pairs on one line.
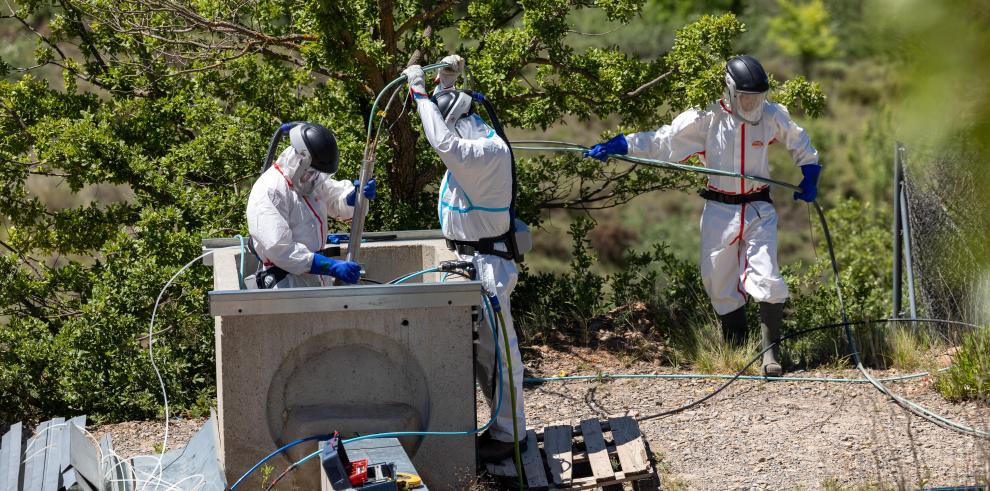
{"points": [[413, 275]]}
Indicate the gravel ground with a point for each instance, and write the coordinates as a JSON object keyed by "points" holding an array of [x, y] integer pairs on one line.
{"points": [[780, 435], [754, 435], [132, 438]]}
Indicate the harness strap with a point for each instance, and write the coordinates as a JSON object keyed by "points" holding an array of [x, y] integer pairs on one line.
{"points": [[483, 246], [736, 199]]}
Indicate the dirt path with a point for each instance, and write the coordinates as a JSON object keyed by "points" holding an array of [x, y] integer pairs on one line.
{"points": [[782, 435], [132, 438], [755, 435]]}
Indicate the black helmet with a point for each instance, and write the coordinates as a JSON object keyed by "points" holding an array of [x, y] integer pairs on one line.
{"points": [[319, 143], [453, 104], [746, 85], [747, 74]]}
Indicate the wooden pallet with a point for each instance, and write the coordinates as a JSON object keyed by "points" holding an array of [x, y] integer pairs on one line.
{"points": [[609, 454]]}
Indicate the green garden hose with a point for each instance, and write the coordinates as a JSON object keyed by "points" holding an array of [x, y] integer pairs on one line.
{"points": [[512, 397]]}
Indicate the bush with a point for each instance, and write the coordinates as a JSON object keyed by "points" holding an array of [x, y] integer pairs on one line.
{"points": [[544, 302], [95, 362], [572, 304], [861, 240]]}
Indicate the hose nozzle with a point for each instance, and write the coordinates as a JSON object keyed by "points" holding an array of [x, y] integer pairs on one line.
{"points": [[454, 266]]}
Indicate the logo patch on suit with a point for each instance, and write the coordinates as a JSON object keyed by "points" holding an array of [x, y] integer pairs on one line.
{"points": [[757, 143]]}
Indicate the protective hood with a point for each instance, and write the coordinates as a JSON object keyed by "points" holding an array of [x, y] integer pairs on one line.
{"points": [[453, 105], [471, 128], [295, 166], [316, 143]]}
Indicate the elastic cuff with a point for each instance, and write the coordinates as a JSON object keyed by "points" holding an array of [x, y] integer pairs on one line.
{"points": [[418, 95]]}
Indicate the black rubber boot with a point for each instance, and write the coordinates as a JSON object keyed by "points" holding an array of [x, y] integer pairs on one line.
{"points": [[771, 320], [491, 451], [734, 327]]}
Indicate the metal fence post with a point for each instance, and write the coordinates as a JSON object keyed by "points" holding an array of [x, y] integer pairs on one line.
{"points": [[908, 264], [897, 229]]}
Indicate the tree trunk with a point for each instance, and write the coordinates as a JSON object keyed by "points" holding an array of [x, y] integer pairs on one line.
{"points": [[807, 63], [402, 173]]}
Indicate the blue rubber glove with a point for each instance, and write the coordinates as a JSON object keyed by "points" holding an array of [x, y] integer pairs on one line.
{"points": [[337, 238], [346, 271], [809, 185], [369, 191], [615, 146]]}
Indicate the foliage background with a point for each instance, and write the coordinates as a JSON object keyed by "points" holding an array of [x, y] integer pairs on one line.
{"points": [[127, 139]]}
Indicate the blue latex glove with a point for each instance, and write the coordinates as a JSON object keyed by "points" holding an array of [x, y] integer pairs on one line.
{"points": [[369, 191], [346, 271], [615, 146], [809, 185], [337, 238]]}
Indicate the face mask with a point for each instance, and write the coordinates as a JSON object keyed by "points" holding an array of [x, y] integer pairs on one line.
{"points": [[747, 105], [307, 183], [295, 166]]}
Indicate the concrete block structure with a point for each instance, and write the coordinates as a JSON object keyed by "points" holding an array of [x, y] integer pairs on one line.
{"points": [[357, 359]]}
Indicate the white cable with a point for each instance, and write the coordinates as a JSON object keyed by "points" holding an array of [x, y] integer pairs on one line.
{"points": [[199, 484], [151, 355], [39, 452], [146, 479], [135, 476]]}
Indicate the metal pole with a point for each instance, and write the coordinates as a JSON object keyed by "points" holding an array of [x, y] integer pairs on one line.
{"points": [[906, 230], [898, 260], [360, 205]]}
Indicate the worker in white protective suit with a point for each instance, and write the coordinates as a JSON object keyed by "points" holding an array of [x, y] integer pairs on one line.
{"points": [[474, 203], [288, 208], [739, 223]]}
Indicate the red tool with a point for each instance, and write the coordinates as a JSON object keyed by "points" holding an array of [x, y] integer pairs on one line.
{"points": [[358, 472]]}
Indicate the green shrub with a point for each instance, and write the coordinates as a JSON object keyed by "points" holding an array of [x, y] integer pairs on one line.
{"points": [[703, 346], [572, 303], [566, 304], [969, 375], [908, 347], [544, 302], [861, 241]]}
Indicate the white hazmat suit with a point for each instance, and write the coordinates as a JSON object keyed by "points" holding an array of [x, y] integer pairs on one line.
{"points": [[475, 196], [738, 242], [287, 217]]}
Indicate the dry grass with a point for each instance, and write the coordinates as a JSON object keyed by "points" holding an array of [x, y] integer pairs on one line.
{"points": [[709, 353], [910, 349]]}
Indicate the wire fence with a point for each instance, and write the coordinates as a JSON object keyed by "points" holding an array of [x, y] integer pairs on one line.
{"points": [[948, 232]]}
